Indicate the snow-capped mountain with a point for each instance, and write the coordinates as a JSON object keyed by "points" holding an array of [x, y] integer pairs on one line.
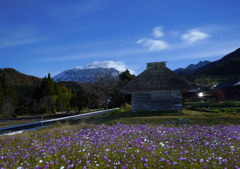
{"points": [[88, 75]]}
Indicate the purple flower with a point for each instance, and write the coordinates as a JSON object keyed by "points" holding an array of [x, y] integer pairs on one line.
{"points": [[146, 165], [174, 163], [63, 157], [201, 160], [186, 151], [70, 166], [68, 161], [146, 160], [105, 158], [88, 163]]}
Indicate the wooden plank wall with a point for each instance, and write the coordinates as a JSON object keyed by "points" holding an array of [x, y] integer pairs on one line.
{"points": [[168, 100]]}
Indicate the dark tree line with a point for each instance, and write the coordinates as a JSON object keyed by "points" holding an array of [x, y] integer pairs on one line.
{"points": [[51, 97], [8, 100]]}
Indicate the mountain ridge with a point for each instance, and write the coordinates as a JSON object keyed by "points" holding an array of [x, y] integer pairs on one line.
{"points": [[16, 78], [88, 75], [224, 69], [190, 69], [226, 66]]}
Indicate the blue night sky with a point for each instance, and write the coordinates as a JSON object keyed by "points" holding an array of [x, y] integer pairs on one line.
{"points": [[42, 36]]}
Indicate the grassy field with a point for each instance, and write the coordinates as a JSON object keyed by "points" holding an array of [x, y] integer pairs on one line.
{"points": [[186, 116], [123, 139]]}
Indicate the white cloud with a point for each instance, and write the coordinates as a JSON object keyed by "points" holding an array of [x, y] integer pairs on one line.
{"points": [[5, 43], [194, 35], [157, 32], [153, 45], [120, 66]]}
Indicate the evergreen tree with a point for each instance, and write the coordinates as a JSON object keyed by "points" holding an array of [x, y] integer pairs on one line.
{"points": [[57, 89], [45, 94], [52, 96], [126, 76], [8, 99]]}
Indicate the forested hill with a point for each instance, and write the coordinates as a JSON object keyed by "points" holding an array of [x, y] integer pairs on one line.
{"points": [[15, 78], [189, 70], [228, 66]]}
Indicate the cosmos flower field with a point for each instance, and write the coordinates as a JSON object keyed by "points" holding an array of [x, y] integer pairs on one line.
{"points": [[125, 146]]}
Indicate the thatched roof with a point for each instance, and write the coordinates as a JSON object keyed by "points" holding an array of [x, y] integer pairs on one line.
{"points": [[155, 78]]}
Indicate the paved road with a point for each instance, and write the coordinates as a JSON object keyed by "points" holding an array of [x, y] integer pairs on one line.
{"points": [[48, 122]]}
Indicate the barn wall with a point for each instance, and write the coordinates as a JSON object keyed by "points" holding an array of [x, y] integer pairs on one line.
{"points": [[168, 100]]}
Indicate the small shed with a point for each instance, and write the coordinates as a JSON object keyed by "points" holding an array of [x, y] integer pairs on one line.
{"points": [[156, 89], [230, 88]]}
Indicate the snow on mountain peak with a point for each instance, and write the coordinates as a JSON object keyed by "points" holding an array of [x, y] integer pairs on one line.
{"points": [[87, 75]]}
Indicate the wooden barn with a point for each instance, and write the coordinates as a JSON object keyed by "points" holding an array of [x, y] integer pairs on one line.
{"points": [[157, 89]]}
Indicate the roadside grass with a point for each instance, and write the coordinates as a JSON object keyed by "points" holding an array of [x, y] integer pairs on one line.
{"points": [[17, 122], [31, 119]]}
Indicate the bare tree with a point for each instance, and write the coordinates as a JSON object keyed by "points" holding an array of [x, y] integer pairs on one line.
{"points": [[105, 86]]}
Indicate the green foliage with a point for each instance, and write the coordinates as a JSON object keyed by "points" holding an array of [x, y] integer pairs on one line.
{"points": [[51, 96], [224, 107], [126, 107], [47, 87], [47, 98], [74, 86], [63, 98], [209, 121], [126, 76]]}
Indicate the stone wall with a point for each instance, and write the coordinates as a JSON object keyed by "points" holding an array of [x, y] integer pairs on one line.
{"points": [[168, 100]]}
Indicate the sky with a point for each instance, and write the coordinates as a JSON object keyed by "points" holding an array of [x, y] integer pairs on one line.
{"points": [[38, 37]]}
